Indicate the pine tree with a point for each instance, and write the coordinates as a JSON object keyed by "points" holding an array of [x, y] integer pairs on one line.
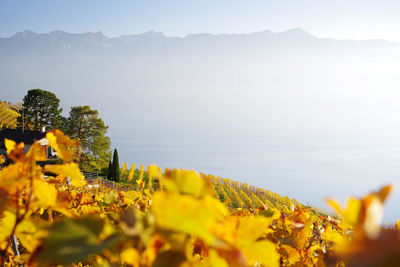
{"points": [[115, 172], [40, 108]]}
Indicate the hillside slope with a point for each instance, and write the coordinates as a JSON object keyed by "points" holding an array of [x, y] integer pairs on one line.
{"points": [[8, 115]]}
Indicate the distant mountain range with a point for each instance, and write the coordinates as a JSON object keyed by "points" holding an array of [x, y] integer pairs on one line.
{"points": [[264, 78], [60, 40]]}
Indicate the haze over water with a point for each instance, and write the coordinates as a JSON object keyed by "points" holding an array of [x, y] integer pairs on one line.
{"points": [[308, 167], [299, 115]]}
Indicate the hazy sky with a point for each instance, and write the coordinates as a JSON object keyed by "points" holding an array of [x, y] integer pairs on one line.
{"points": [[342, 19]]}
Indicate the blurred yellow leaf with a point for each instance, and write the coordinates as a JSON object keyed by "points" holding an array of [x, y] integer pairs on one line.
{"points": [[332, 235], [263, 252], [10, 145], [293, 255], [124, 167], [36, 153], [186, 182], [61, 143], [183, 213], [155, 244], [384, 192], [6, 225], [29, 235], [364, 214], [350, 214], [245, 233], [131, 172], [130, 256], [154, 171], [252, 227], [132, 196], [215, 260], [14, 178], [16, 152], [70, 170], [45, 193], [141, 173]]}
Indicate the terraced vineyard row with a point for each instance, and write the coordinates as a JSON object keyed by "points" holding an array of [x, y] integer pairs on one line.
{"points": [[232, 193], [8, 115]]}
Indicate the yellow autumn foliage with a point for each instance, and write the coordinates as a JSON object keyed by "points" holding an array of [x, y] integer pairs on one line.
{"points": [[176, 218]]}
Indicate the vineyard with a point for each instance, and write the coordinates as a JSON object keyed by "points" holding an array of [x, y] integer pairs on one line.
{"points": [[175, 218], [8, 115]]}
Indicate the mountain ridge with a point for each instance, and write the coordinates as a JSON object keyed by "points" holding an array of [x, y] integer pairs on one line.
{"points": [[290, 34]]}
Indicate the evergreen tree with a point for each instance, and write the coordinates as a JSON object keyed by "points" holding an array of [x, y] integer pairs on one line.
{"points": [[115, 172], [40, 108]]}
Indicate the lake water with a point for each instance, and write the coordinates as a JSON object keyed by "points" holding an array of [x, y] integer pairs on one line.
{"points": [[308, 167]]}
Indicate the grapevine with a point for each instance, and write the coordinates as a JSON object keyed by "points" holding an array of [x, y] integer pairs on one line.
{"points": [[174, 218]]}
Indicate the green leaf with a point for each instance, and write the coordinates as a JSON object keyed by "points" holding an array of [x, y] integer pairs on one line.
{"points": [[110, 198], [267, 213], [169, 259], [71, 240]]}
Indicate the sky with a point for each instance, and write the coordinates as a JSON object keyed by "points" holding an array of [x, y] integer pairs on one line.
{"points": [[339, 19]]}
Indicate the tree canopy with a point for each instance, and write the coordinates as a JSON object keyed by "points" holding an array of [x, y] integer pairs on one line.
{"points": [[84, 125], [40, 108]]}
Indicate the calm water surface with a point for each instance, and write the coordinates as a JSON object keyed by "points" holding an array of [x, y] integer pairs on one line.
{"points": [[308, 167]]}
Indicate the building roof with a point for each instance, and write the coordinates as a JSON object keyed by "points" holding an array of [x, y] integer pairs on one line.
{"points": [[27, 136]]}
